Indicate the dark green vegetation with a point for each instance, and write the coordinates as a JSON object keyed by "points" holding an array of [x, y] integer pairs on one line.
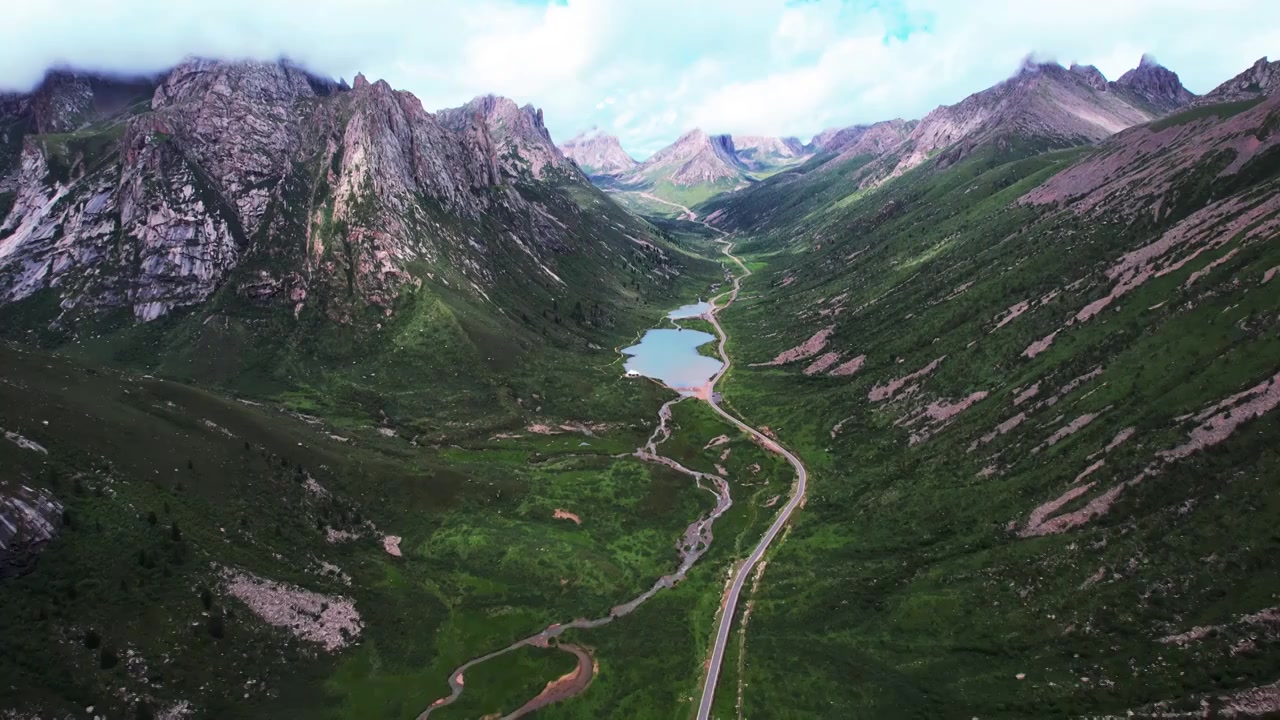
{"points": [[906, 588], [235, 437], [241, 435], [1039, 325], [484, 561], [1222, 111]]}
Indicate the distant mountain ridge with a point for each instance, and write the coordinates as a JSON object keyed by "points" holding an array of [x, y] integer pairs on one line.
{"points": [[761, 152], [598, 153], [696, 166], [1046, 104], [1262, 78], [1043, 106], [695, 158]]}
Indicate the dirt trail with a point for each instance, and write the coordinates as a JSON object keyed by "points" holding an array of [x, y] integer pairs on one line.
{"points": [[691, 546], [688, 214]]}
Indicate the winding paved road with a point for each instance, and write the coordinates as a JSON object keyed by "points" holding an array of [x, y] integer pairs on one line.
{"points": [[696, 540], [729, 604]]}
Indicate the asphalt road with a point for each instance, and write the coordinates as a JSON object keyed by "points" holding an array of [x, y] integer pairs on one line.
{"points": [[730, 602]]}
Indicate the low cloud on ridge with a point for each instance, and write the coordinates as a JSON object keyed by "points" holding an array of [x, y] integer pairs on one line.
{"points": [[646, 71]]}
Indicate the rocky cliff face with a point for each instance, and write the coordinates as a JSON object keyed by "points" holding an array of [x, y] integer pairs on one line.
{"points": [[66, 101], [1262, 78], [1156, 84], [29, 520], [598, 153], [241, 123], [281, 186], [523, 145]]}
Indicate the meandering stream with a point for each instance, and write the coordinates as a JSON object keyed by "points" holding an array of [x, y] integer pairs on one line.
{"points": [[670, 362], [692, 544]]}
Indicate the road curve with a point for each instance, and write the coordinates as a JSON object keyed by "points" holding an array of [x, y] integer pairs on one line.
{"points": [[730, 602]]}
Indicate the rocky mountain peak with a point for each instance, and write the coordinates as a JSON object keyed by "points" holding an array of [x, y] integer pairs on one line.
{"points": [[693, 142], [1156, 84], [66, 100], [1031, 66], [523, 143], [598, 153], [1091, 76], [764, 151], [690, 139], [202, 80], [695, 158], [875, 139], [60, 102], [240, 120], [1262, 78], [830, 138], [1056, 106]]}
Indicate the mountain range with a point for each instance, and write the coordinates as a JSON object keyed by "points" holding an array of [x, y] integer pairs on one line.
{"points": [[1027, 346], [311, 396], [1043, 103]]}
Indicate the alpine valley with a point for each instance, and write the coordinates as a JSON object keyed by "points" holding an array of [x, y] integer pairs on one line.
{"points": [[315, 404]]}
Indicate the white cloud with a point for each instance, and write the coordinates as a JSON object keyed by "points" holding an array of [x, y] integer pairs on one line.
{"points": [[650, 69]]}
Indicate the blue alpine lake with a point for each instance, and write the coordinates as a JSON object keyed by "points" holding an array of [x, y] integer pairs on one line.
{"points": [[688, 311], [671, 356]]}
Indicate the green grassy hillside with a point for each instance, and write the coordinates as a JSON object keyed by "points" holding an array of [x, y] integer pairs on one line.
{"points": [[1020, 503]]}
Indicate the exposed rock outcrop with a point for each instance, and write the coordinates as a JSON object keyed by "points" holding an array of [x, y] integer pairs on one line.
{"points": [[1262, 78], [521, 140], [1157, 85], [29, 519]]}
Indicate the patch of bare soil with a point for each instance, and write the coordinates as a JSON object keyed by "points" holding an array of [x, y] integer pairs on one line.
{"points": [[391, 543], [563, 687], [999, 430], [566, 515], [1066, 431], [1040, 345], [806, 349], [823, 362], [1011, 314], [938, 415], [888, 390], [328, 620], [849, 367]]}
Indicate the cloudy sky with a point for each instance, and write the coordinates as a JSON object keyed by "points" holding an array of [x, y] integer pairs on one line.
{"points": [[646, 70]]}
